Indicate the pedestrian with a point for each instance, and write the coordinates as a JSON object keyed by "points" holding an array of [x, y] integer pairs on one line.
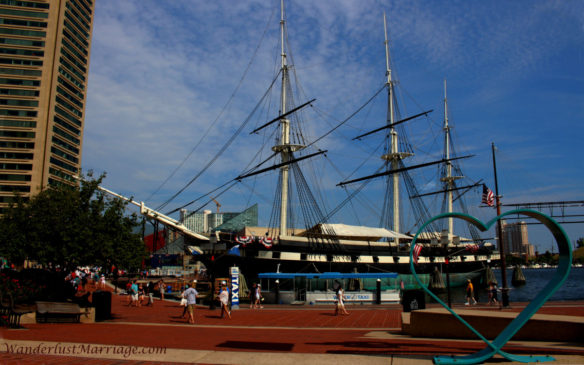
{"points": [[340, 307], [102, 282], [470, 299], [183, 302], [224, 300], [150, 292], [252, 294], [191, 296], [258, 296], [161, 289], [493, 299], [141, 294], [134, 293]]}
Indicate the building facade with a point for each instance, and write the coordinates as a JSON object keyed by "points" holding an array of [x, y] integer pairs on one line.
{"points": [[44, 66], [516, 239], [206, 221]]}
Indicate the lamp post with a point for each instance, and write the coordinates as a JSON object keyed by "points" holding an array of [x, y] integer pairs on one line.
{"points": [[504, 289]]}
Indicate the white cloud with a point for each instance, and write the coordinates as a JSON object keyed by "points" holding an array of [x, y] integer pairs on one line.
{"points": [[161, 72]]}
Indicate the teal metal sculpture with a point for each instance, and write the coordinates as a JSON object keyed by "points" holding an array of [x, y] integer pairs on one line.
{"points": [[494, 347]]}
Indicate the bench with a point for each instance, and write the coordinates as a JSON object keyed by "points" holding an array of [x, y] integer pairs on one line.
{"points": [[10, 312], [58, 312]]}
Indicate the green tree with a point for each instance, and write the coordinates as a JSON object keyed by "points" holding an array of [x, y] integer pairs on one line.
{"points": [[72, 226], [580, 242]]}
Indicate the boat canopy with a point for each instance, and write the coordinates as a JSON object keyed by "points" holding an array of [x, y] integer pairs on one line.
{"points": [[345, 231], [327, 275]]}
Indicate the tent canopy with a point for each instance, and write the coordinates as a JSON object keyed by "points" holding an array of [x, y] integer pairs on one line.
{"points": [[345, 231]]}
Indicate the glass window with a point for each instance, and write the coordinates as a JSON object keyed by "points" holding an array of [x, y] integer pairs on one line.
{"points": [[19, 92], [72, 69], [28, 33], [70, 87], [18, 113], [14, 71], [17, 123], [77, 25], [64, 103], [73, 60], [21, 82], [61, 174], [64, 155], [14, 61], [11, 144], [14, 177], [65, 145], [66, 135], [23, 23], [69, 127], [13, 102], [27, 4], [22, 52], [16, 155], [62, 164], [73, 50], [68, 116], [17, 134], [69, 97], [32, 14], [22, 42], [15, 188], [15, 166]]}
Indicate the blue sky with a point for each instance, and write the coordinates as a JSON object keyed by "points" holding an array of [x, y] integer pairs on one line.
{"points": [[162, 72]]}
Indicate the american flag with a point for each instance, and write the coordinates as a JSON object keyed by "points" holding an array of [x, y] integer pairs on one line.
{"points": [[488, 196], [417, 250]]}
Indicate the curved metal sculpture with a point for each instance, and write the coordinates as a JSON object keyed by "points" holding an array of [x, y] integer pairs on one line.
{"points": [[558, 279]]}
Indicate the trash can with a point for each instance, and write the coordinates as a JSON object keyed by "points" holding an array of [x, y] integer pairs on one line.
{"points": [[413, 299], [102, 301]]}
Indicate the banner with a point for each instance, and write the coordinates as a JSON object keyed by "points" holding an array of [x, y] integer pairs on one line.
{"points": [[234, 271]]}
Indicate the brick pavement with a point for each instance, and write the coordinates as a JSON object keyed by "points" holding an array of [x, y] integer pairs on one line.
{"points": [[277, 334]]}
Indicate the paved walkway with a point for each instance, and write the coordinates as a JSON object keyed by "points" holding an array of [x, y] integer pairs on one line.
{"points": [[275, 334]]}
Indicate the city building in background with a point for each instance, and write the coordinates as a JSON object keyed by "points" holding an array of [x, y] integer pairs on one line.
{"points": [[516, 239], [44, 65], [207, 221]]}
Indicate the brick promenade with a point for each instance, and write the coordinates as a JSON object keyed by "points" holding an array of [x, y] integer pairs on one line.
{"points": [[273, 335]]}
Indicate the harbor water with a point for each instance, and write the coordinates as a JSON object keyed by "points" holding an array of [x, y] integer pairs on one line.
{"points": [[537, 279]]}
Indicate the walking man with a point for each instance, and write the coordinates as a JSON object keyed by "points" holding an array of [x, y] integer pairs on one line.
{"points": [[191, 296]]}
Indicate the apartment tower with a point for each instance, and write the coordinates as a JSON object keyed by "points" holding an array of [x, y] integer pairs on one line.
{"points": [[44, 66]]}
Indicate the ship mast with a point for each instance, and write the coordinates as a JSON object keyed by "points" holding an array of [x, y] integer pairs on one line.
{"points": [[285, 149], [394, 156], [448, 179]]}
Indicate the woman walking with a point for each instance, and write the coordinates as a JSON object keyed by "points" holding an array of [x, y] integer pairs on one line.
{"points": [[340, 302]]}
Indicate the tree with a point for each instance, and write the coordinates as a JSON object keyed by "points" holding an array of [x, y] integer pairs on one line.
{"points": [[580, 242], [72, 226]]}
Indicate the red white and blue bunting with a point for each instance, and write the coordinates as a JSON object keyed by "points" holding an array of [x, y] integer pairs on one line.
{"points": [[267, 242], [244, 240]]}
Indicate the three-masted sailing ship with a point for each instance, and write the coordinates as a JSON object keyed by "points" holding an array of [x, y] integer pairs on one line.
{"points": [[323, 246]]}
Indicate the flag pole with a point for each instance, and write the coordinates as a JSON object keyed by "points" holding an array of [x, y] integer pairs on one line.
{"points": [[504, 289]]}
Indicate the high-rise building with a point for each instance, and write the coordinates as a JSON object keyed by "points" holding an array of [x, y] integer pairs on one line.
{"points": [[44, 66], [516, 239]]}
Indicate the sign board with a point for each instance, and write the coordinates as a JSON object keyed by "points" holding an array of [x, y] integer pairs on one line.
{"points": [[234, 271]]}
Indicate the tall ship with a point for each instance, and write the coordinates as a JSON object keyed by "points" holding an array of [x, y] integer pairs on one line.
{"points": [[304, 237], [323, 245]]}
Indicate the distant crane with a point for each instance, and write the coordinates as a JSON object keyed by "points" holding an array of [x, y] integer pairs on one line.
{"points": [[216, 203]]}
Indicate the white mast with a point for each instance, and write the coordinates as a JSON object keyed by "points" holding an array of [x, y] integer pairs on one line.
{"points": [[448, 179], [394, 156], [284, 148]]}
